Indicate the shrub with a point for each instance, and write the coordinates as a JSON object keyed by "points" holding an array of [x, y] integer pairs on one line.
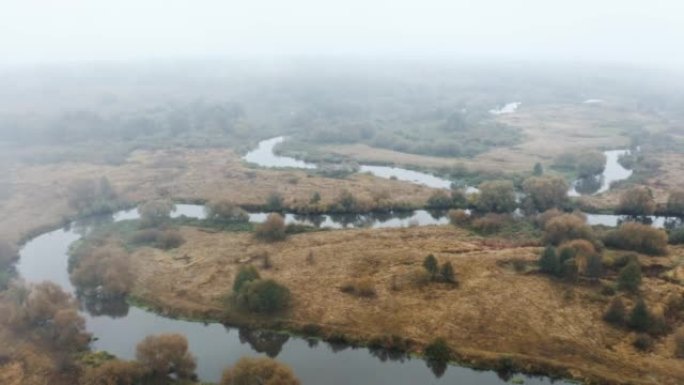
{"points": [[346, 202], [362, 287], [106, 269], [629, 278], [544, 193], [579, 248], [676, 236], [246, 274], [170, 239], [569, 270], [226, 211], [114, 372], [643, 342], [274, 202], [459, 217], [640, 317], [637, 201], [273, 229], [256, 371], [46, 312], [439, 200], [615, 314], [638, 237], [431, 265], [491, 223], [566, 227], [549, 262], [590, 163], [447, 273], [166, 354], [438, 351], [594, 268], [155, 213], [497, 196], [458, 198], [264, 296], [675, 203]]}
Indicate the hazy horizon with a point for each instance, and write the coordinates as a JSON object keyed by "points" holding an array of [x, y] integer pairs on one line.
{"points": [[616, 32]]}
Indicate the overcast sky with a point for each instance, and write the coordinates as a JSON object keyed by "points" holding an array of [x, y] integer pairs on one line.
{"points": [[636, 32]]}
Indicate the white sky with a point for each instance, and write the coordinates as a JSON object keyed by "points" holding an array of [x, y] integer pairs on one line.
{"points": [[638, 32]]}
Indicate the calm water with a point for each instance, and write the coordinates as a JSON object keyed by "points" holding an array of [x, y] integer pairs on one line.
{"points": [[118, 327], [264, 156]]}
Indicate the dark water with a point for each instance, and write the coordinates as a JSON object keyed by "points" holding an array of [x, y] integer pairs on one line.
{"points": [[118, 328]]}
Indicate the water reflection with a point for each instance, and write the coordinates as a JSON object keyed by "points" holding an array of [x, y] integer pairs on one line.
{"points": [[264, 341], [97, 305]]}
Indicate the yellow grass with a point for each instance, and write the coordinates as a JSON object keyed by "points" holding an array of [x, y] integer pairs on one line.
{"points": [[493, 312]]}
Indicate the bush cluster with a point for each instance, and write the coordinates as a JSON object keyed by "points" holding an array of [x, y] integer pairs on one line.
{"points": [[259, 295]]}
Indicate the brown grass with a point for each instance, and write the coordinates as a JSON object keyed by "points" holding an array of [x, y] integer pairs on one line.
{"points": [[494, 310], [39, 192]]}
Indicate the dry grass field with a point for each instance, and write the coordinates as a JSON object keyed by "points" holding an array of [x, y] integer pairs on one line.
{"points": [[495, 311], [39, 193]]}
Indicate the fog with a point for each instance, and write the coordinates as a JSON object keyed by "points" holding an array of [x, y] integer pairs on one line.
{"points": [[622, 31]]}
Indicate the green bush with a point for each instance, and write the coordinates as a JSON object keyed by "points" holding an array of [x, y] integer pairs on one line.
{"points": [[549, 262], [264, 296], [629, 278], [640, 318], [438, 351], [447, 273], [246, 274], [615, 314], [643, 342], [431, 265]]}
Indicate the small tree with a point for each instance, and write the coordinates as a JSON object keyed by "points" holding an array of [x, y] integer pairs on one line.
{"points": [[315, 198], [274, 202], [549, 262], [447, 272], [637, 201], [439, 200], [273, 229], [256, 371], [458, 217], [640, 317], [629, 278], [346, 202], [566, 227], [264, 296], [156, 212], [545, 192], [246, 274], [430, 264], [538, 170], [226, 211], [166, 354], [497, 196], [675, 203], [594, 268], [615, 314]]}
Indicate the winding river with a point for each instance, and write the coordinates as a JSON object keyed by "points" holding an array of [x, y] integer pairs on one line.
{"points": [[119, 327], [264, 156]]}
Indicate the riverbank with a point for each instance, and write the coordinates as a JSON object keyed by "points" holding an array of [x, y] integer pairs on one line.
{"points": [[494, 314]]}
